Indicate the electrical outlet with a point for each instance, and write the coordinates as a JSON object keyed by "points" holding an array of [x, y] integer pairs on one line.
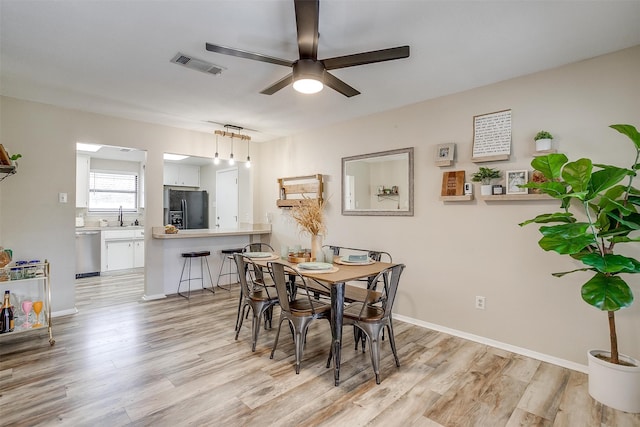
{"points": [[480, 303]]}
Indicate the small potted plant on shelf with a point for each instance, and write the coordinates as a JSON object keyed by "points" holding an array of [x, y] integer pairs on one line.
{"points": [[486, 176], [543, 140], [605, 205]]}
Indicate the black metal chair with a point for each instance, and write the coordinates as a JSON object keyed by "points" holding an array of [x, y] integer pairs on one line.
{"points": [[372, 316], [255, 296], [299, 310]]}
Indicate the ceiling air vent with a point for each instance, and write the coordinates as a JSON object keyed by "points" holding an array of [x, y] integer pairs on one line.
{"points": [[196, 64]]}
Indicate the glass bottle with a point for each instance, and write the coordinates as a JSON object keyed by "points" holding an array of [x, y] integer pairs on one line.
{"points": [[6, 315]]}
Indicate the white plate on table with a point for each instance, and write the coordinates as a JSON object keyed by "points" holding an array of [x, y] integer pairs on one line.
{"points": [[345, 261], [257, 254], [315, 266]]}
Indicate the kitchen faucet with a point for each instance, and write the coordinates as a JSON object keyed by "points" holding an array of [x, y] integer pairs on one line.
{"points": [[120, 217]]}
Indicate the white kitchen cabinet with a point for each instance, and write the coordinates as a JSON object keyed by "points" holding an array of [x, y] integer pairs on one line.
{"points": [[124, 249], [138, 253], [82, 181], [119, 255], [181, 175]]}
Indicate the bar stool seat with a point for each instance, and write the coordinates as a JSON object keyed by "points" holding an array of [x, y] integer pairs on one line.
{"points": [[188, 256], [227, 258]]}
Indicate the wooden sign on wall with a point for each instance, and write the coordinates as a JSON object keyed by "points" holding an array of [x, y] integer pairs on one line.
{"points": [[452, 183]]}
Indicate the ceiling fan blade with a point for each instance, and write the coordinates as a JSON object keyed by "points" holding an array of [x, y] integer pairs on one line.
{"points": [[282, 83], [338, 85], [247, 55], [366, 57], [307, 12]]}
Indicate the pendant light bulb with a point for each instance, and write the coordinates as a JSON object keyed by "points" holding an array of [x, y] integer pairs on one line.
{"points": [[248, 164], [231, 160], [216, 159]]}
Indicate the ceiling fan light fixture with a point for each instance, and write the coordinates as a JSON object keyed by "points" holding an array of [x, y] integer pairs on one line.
{"points": [[308, 76], [308, 86]]}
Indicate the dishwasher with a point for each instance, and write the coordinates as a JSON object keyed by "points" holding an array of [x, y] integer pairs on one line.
{"points": [[87, 254]]}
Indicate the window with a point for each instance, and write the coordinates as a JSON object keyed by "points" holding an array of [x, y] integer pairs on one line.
{"points": [[108, 191]]}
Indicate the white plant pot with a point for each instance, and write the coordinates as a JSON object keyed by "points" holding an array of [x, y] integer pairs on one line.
{"points": [[543, 144], [486, 190], [614, 385]]}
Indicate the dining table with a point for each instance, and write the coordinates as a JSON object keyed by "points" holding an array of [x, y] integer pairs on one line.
{"points": [[336, 278]]}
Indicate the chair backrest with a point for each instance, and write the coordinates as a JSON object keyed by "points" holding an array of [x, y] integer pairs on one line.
{"points": [[374, 255], [391, 279], [277, 273], [372, 282], [250, 275], [258, 247]]}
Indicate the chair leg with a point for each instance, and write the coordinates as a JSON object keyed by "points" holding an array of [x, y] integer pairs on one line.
{"points": [[275, 342], [206, 261], [241, 318], [392, 341]]}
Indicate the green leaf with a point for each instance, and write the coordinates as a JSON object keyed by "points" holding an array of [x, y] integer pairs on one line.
{"points": [[606, 178], [566, 238], [630, 221], [607, 293], [624, 239], [550, 165], [610, 263], [552, 217], [630, 131], [577, 174]]}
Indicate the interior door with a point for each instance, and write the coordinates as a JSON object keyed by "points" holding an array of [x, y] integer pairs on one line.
{"points": [[227, 198]]}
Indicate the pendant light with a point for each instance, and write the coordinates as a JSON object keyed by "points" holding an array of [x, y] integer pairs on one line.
{"points": [[216, 159], [231, 160], [248, 164]]}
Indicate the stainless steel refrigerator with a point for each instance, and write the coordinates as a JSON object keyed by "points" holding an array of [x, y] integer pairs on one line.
{"points": [[186, 209]]}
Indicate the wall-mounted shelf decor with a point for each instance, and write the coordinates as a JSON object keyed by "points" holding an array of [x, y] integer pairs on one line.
{"points": [[516, 197], [445, 154], [544, 152], [294, 189], [463, 198], [452, 183], [7, 171], [492, 137]]}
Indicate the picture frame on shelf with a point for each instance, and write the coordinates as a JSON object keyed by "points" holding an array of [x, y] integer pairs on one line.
{"points": [[445, 154], [515, 178]]}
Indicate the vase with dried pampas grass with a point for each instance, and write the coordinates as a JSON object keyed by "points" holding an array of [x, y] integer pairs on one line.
{"points": [[309, 216]]}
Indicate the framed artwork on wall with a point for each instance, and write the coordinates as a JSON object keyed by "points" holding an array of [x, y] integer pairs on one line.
{"points": [[515, 178], [445, 154]]}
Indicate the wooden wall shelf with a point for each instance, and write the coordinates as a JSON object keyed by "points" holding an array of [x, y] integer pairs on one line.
{"points": [[296, 189], [463, 198], [516, 197]]}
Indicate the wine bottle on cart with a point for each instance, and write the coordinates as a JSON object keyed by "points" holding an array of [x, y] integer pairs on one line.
{"points": [[6, 315]]}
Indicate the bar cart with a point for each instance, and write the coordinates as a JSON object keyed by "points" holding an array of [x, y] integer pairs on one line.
{"points": [[28, 282]]}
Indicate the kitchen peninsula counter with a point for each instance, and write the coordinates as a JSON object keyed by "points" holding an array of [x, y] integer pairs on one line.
{"points": [[172, 246], [248, 230]]}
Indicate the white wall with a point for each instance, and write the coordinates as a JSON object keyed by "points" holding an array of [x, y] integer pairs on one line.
{"points": [[455, 251]]}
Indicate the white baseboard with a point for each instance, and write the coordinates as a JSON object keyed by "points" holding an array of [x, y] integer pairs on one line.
{"points": [[64, 312], [153, 297], [497, 344]]}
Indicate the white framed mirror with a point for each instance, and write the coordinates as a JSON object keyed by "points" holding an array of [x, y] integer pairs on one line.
{"points": [[378, 183]]}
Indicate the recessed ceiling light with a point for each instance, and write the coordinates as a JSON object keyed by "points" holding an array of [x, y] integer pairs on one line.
{"points": [[169, 156], [82, 146]]}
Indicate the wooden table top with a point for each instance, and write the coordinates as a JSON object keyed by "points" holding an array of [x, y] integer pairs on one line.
{"points": [[345, 273]]}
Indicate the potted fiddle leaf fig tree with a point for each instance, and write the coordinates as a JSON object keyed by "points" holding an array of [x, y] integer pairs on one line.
{"points": [[599, 212]]}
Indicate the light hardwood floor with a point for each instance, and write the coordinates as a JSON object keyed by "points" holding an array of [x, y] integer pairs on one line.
{"points": [[172, 362]]}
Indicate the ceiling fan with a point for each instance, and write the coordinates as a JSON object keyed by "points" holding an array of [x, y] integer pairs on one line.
{"points": [[310, 73]]}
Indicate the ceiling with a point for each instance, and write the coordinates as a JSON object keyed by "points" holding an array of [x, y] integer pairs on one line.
{"points": [[113, 57]]}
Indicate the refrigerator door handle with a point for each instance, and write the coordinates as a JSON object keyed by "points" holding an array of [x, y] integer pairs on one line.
{"points": [[185, 214]]}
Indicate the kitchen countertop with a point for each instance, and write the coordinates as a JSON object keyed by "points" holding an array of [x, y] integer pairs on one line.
{"points": [[251, 229], [127, 227]]}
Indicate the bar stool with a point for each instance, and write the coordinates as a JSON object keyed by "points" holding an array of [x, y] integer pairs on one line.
{"points": [[227, 258], [188, 256]]}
